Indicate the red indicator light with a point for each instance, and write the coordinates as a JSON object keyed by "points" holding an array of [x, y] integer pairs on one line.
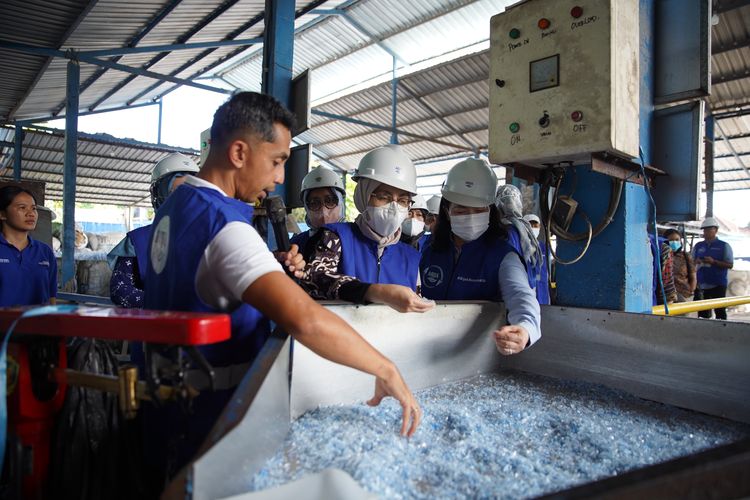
{"points": [[576, 116], [543, 23], [576, 11]]}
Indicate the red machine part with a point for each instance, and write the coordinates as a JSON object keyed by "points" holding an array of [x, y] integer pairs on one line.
{"points": [[31, 419], [139, 325]]}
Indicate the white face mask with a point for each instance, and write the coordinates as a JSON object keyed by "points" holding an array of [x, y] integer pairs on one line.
{"points": [[412, 227], [535, 232], [470, 227], [323, 216], [387, 219]]}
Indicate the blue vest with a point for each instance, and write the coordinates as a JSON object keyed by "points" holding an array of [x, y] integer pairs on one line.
{"points": [[196, 215], [140, 238], [711, 275], [424, 240], [398, 265], [473, 276], [537, 274]]}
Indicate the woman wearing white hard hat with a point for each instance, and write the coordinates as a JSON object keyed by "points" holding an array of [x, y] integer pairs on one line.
{"points": [[413, 229], [433, 209], [323, 196], [365, 261], [129, 258], [521, 237], [469, 259]]}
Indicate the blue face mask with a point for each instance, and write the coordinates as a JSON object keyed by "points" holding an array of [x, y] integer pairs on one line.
{"points": [[675, 245]]}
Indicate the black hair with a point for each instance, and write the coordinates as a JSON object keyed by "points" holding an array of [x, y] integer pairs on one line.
{"points": [[441, 239], [249, 112], [669, 232], [9, 193]]}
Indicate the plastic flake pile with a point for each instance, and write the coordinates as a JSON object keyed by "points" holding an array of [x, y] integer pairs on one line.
{"points": [[505, 435]]}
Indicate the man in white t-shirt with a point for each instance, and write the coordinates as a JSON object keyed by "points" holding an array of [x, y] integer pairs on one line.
{"points": [[206, 256]]}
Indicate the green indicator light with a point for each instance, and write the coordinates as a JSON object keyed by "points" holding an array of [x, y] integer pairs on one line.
{"points": [[514, 127], [204, 144], [514, 33]]}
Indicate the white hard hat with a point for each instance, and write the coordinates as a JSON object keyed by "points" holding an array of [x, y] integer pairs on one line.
{"points": [[470, 183], [433, 204], [321, 177], [419, 203], [388, 165], [531, 218], [709, 222], [175, 162]]}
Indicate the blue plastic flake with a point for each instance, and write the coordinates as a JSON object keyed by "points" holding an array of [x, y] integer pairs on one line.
{"points": [[505, 435]]}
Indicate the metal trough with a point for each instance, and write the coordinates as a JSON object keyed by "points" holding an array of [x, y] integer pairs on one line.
{"points": [[690, 363]]}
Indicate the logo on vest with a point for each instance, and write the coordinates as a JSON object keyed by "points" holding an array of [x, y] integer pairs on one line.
{"points": [[433, 276], [4, 261], [44, 263], [160, 245]]}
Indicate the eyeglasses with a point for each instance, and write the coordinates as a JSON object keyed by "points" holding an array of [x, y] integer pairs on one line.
{"points": [[316, 204], [386, 198]]}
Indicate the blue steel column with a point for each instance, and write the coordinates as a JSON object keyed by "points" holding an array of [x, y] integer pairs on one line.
{"points": [[616, 272], [278, 55], [394, 103], [17, 152], [69, 172]]}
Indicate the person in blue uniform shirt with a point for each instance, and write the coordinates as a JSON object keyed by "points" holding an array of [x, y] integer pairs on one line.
{"points": [[469, 259], [28, 269], [323, 195], [713, 259], [542, 289], [414, 229], [206, 256], [128, 259], [365, 261], [521, 238]]}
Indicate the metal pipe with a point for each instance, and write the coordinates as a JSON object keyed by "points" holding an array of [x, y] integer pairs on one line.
{"points": [[32, 121], [678, 309], [709, 165], [158, 133], [169, 48], [69, 175]]}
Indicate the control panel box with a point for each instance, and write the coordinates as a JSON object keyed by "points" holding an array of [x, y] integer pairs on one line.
{"points": [[564, 81]]}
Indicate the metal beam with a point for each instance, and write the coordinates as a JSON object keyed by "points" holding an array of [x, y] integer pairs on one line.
{"points": [[376, 40], [161, 114], [433, 112], [394, 104], [163, 13], [63, 39], [708, 160], [170, 47], [728, 5], [146, 183], [31, 121], [182, 39], [731, 148], [18, 152], [387, 129], [69, 176], [732, 155], [278, 50], [731, 77], [732, 137], [733, 45], [235, 33]]}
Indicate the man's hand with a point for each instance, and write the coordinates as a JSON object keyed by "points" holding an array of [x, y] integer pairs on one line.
{"points": [[400, 298], [709, 260], [393, 385], [511, 339], [292, 261]]}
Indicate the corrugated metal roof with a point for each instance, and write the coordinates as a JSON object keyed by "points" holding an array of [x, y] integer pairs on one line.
{"points": [[109, 170], [34, 86]]}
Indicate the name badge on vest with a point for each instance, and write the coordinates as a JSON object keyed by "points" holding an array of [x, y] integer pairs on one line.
{"points": [[44, 263]]}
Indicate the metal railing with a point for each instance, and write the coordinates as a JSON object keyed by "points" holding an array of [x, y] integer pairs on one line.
{"points": [[680, 308]]}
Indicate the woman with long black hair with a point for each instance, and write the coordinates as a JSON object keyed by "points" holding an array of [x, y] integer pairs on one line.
{"points": [[469, 258]]}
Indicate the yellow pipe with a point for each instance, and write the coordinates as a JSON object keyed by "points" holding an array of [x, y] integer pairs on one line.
{"points": [[679, 308]]}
